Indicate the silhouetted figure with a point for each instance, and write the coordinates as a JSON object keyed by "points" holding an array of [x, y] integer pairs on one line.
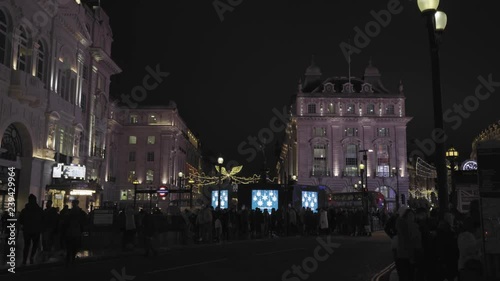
{"points": [[73, 227], [31, 219]]}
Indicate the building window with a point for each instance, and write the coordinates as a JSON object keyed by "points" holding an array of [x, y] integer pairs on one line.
{"points": [[22, 50], [127, 194], [350, 108], [383, 132], [85, 72], [389, 110], [152, 119], [131, 156], [149, 176], [151, 156], [351, 160], [351, 132], [319, 131], [131, 176], [3, 38], [319, 165], [40, 62], [84, 102], [132, 140], [151, 139], [370, 109], [311, 108], [331, 108], [134, 119], [383, 160]]}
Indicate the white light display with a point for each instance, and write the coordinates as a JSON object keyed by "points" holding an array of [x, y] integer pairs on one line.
{"points": [[223, 199], [265, 199], [310, 200]]}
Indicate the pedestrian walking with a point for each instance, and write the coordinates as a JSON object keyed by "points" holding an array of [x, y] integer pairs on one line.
{"points": [[31, 220], [50, 228], [73, 227]]}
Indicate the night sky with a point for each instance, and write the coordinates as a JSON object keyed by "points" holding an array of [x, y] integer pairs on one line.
{"points": [[227, 76]]}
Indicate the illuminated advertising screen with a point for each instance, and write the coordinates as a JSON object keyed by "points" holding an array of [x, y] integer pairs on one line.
{"points": [[223, 199], [69, 171], [265, 199], [310, 200]]}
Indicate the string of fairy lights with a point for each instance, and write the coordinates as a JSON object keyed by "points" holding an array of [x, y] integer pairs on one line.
{"points": [[231, 176]]}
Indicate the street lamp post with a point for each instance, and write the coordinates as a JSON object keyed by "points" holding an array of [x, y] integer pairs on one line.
{"points": [[362, 171], [452, 155], [181, 176], [220, 160], [191, 182], [395, 172], [436, 23], [135, 183]]}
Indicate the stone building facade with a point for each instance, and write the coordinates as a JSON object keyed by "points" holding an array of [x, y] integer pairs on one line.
{"points": [[55, 68], [334, 122]]}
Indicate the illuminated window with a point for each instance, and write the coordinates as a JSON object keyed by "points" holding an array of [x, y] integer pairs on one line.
{"points": [[132, 140], [152, 118], [131, 176], [40, 62], [319, 165], [149, 176], [351, 160], [383, 132], [383, 169], [370, 109], [331, 108], [311, 108], [319, 131], [134, 119], [151, 139], [350, 108], [22, 50]]}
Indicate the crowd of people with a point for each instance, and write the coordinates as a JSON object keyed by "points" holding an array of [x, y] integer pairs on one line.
{"points": [[430, 247], [426, 247], [48, 231]]}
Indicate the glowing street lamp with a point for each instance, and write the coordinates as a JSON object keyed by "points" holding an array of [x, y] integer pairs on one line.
{"points": [[220, 161], [436, 22]]}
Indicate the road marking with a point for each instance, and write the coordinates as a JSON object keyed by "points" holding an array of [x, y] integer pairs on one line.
{"points": [[383, 272], [276, 252], [187, 265]]}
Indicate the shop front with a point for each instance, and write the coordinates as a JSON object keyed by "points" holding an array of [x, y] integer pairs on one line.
{"points": [[88, 193]]}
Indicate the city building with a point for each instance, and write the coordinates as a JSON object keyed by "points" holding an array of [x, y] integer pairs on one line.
{"points": [[338, 123], [151, 145], [55, 68]]}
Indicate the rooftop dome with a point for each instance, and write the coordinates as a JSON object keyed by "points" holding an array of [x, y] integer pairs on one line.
{"points": [[313, 69], [371, 70]]}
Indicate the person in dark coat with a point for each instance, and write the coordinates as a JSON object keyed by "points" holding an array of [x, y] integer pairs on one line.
{"points": [[73, 228], [149, 232], [31, 219], [447, 248], [50, 227]]}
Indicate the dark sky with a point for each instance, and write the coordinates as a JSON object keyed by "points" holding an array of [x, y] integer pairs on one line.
{"points": [[226, 77]]}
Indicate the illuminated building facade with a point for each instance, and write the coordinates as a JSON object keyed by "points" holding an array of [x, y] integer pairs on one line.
{"points": [[55, 70], [151, 145], [332, 119]]}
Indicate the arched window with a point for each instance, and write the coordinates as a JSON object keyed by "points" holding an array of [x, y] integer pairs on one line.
{"points": [[351, 160], [22, 50], [11, 143], [3, 38], [40, 61]]}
